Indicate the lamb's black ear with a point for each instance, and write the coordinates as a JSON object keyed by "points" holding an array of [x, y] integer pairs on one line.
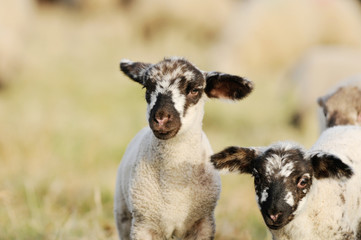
{"points": [[327, 165], [235, 159], [134, 70], [222, 85]]}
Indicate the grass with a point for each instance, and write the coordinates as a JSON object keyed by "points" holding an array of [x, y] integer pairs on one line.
{"points": [[67, 117]]}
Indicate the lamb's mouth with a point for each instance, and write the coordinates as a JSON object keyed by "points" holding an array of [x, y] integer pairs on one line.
{"points": [[276, 226], [165, 134]]}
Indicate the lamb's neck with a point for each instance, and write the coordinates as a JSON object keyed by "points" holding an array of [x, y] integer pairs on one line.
{"points": [[183, 148]]}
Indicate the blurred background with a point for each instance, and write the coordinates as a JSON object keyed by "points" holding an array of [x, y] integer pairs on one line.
{"points": [[67, 113]]}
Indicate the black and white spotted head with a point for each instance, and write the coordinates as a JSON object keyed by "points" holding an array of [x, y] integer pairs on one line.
{"points": [[176, 89], [283, 175]]}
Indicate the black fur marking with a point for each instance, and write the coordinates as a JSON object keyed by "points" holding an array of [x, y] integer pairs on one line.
{"points": [[135, 70], [235, 159], [220, 85], [164, 108], [329, 166], [335, 119], [193, 88]]}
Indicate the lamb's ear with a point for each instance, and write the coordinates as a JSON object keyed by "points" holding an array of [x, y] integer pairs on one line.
{"points": [[327, 165], [235, 159], [221, 85], [321, 101], [134, 70]]}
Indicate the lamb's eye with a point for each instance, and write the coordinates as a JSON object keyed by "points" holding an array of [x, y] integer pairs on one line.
{"points": [[194, 92], [302, 183]]}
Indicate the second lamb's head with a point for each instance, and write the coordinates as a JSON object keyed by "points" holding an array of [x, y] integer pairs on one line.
{"points": [[283, 175], [176, 90]]}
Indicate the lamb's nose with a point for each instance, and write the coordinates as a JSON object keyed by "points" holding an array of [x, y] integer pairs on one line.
{"points": [[274, 217], [162, 119]]}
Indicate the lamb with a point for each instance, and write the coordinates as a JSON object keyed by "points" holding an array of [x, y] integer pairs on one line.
{"points": [[343, 105], [310, 195], [166, 188]]}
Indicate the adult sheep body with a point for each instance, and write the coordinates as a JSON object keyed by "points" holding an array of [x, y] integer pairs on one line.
{"points": [[311, 195], [166, 187]]}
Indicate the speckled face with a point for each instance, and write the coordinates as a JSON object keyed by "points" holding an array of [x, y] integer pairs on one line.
{"points": [[282, 179], [172, 86], [174, 89]]}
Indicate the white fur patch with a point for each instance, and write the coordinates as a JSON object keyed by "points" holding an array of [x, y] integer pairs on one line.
{"points": [[178, 98], [153, 99], [257, 201], [289, 199], [264, 195], [300, 206], [273, 164], [124, 60], [287, 169]]}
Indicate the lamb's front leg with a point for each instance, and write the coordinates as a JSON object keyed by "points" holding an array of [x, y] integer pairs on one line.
{"points": [[123, 222], [203, 229], [142, 230]]}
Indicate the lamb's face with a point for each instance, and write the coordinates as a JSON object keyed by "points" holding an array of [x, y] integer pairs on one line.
{"points": [[175, 90], [282, 180], [172, 88]]}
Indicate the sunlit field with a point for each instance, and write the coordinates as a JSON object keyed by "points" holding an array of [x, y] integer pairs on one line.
{"points": [[67, 113]]}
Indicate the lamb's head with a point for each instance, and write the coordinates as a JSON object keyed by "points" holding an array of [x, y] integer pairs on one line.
{"points": [[176, 89], [342, 107], [283, 175]]}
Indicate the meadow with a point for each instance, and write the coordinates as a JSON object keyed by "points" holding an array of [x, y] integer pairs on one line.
{"points": [[68, 113]]}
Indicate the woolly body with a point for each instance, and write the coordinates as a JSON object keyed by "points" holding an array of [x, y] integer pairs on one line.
{"points": [[174, 186]]}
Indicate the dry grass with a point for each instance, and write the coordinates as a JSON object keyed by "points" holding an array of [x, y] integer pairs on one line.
{"points": [[67, 118]]}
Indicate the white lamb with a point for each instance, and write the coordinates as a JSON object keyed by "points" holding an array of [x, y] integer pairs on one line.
{"points": [[308, 195], [166, 187]]}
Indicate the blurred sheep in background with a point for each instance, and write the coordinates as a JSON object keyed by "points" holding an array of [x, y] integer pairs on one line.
{"points": [[14, 19], [342, 105], [185, 21], [304, 47], [266, 37], [320, 69]]}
